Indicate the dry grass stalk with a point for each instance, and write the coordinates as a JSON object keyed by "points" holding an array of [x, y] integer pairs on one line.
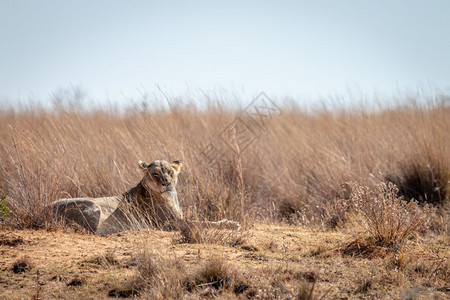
{"points": [[301, 160]]}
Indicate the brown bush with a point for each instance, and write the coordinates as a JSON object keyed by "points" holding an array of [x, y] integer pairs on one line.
{"points": [[385, 216], [168, 278], [156, 278], [216, 274]]}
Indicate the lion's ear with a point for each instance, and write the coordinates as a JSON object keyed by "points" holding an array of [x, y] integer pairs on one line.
{"points": [[176, 164], [143, 165]]}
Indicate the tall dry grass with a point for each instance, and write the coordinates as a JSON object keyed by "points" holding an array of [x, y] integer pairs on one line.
{"points": [[294, 170]]}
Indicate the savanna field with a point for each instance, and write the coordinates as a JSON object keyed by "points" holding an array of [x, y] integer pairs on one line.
{"points": [[333, 203]]}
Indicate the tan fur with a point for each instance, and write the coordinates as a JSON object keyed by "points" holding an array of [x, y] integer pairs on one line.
{"points": [[153, 202]]}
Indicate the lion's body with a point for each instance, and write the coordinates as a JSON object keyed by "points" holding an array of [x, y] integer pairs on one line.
{"points": [[153, 202], [89, 213]]}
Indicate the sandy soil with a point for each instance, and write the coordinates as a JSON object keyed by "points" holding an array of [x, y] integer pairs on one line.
{"points": [[274, 260]]}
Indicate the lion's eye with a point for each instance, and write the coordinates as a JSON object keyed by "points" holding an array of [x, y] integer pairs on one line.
{"points": [[155, 175]]}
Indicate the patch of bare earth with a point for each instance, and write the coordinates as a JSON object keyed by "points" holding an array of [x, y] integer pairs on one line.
{"points": [[271, 262]]}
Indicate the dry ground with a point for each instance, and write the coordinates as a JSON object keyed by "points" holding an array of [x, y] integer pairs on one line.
{"points": [[274, 261], [306, 168]]}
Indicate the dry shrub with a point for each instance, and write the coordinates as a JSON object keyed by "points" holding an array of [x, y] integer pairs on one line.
{"points": [[168, 278], [162, 278], [156, 278], [218, 275], [288, 282], [385, 216]]}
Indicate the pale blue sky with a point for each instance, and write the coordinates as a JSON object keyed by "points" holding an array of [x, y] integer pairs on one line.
{"points": [[118, 49]]}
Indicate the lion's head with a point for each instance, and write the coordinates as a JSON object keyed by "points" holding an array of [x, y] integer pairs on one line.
{"points": [[160, 176]]}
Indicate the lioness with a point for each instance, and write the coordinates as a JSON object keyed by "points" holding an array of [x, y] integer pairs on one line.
{"points": [[152, 202]]}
